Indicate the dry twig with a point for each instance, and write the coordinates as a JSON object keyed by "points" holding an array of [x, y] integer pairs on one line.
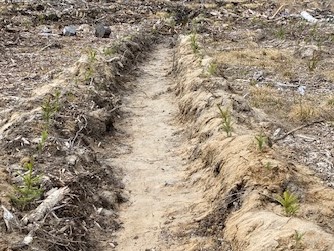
{"points": [[296, 129]]}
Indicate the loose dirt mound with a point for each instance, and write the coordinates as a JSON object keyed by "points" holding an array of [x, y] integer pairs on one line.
{"points": [[52, 130], [242, 182], [85, 113], [58, 115]]}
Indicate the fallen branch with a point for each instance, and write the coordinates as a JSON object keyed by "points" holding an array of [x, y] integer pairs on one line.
{"points": [[112, 59], [277, 11], [53, 199], [45, 47], [296, 129], [80, 129]]}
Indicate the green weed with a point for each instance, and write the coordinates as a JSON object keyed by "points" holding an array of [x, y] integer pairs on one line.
{"points": [[49, 108], [108, 51], [227, 124], [89, 73], [314, 33], [253, 82], [289, 202], [268, 166], [313, 62], [281, 33], [29, 191], [92, 55]]}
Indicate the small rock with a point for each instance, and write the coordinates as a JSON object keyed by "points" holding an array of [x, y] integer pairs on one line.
{"points": [[69, 31], [277, 132], [124, 196], [108, 212], [85, 28], [258, 76], [308, 17], [28, 239], [108, 198], [39, 7], [25, 160], [240, 105], [9, 219], [322, 165], [25, 141], [102, 31], [301, 90], [71, 160], [307, 51], [46, 30]]}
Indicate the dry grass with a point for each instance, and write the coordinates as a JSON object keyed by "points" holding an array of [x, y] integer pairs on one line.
{"points": [[266, 58], [308, 109], [265, 96], [299, 4], [329, 74], [279, 61], [305, 112], [330, 101]]}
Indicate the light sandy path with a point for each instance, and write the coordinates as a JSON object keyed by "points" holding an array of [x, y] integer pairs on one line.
{"points": [[153, 169]]}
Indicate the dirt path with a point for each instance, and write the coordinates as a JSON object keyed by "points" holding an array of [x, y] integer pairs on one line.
{"points": [[153, 169]]}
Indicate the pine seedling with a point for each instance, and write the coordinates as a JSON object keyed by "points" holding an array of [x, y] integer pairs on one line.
{"points": [[261, 141], [298, 236], [227, 124], [289, 202], [44, 137], [194, 44], [212, 68], [29, 190]]}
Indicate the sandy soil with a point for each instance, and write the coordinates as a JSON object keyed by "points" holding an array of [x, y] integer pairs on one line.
{"points": [[153, 168]]}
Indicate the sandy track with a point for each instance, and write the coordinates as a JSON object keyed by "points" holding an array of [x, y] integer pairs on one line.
{"points": [[153, 169]]}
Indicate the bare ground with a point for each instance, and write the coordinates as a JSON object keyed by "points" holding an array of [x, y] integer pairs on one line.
{"points": [[153, 168]]}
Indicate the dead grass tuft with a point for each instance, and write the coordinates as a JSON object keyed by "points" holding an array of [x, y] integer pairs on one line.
{"points": [[265, 58], [330, 101], [304, 112], [265, 96], [329, 74]]}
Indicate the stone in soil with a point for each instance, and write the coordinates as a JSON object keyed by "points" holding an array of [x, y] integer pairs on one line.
{"points": [[69, 31], [102, 31]]}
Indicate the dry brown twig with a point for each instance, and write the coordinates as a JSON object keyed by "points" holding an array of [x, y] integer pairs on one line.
{"points": [[296, 129], [277, 11], [80, 129]]}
